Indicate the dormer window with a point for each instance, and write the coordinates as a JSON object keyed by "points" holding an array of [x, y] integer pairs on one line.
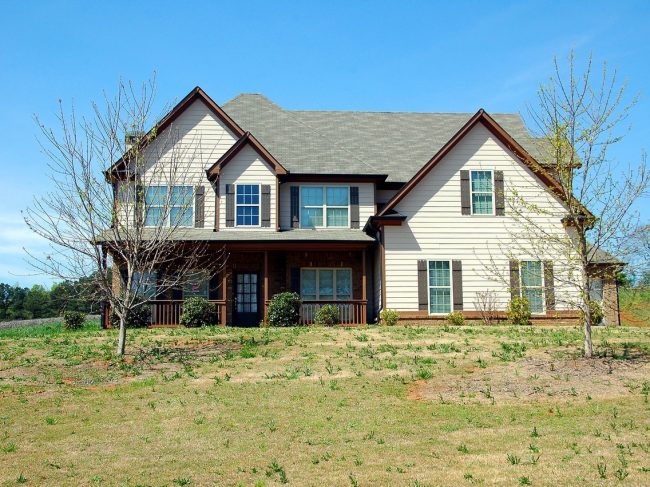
{"points": [[324, 206], [248, 205], [482, 192]]}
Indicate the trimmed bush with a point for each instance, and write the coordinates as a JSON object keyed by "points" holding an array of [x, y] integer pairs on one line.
{"points": [[284, 309], [455, 318], [596, 312], [198, 312], [519, 311], [73, 320], [327, 315], [139, 317], [388, 317]]}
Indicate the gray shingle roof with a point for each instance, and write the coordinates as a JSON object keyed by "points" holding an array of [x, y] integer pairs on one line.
{"points": [[397, 144]]}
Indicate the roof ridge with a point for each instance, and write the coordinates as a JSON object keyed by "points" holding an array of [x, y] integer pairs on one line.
{"points": [[397, 112]]}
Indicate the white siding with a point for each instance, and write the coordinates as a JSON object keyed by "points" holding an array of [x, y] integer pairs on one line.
{"points": [[247, 167], [436, 230], [366, 201]]}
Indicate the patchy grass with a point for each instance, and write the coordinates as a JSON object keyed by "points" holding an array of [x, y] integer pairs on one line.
{"points": [[635, 306], [403, 406]]}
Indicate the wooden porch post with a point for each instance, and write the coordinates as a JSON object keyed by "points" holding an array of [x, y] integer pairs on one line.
{"points": [[364, 313], [266, 281], [224, 309]]}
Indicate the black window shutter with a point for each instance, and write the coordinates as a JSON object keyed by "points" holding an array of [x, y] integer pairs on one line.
{"points": [[514, 279], [499, 195], [295, 279], [549, 285], [266, 205], [230, 205], [139, 203], [423, 286], [354, 207], [199, 206], [465, 204], [457, 280], [295, 207]]}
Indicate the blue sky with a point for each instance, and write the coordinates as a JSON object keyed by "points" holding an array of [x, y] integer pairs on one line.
{"points": [[345, 55]]}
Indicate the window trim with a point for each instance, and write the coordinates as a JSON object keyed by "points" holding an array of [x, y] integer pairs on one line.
{"points": [[542, 287], [472, 192], [324, 206], [335, 269], [259, 205], [451, 288], [168, 217]]}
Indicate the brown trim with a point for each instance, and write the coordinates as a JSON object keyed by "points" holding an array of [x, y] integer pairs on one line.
{"points": [[506, 139], [324, 178], [387, 220], [196, 94], [266, 284], [246, 139], [294, 246], [363, 276]]}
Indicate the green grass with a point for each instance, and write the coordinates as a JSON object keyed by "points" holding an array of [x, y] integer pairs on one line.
{"points": [[403, 406]]}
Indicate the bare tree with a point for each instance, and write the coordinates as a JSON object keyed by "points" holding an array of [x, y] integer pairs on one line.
{"points": [[578, 118], [131, 214]]}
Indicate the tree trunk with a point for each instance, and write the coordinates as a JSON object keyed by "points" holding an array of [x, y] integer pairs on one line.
{"points": [[589, 348], [121, 342]]}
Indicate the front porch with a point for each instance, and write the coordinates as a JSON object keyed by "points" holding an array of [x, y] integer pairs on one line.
{"points": [[253, 274]]}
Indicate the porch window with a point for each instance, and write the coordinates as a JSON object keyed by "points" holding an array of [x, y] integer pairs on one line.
{"points": [[324, 206], [326, 284], [596, 290], [482, 193], [248, 205], [144, 283], [439, 286], [532, 284], [195, 285], [177, 199]]}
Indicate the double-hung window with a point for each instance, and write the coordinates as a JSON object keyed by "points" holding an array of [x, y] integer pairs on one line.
{"points": [[169, 206], [324, 206], [482, 192], [532, 284], [439, 286], [325, 284], [144, 283], [195, 285], [248, 205]]}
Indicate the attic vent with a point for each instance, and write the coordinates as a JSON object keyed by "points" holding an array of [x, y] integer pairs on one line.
{"points": [[131, 138]]}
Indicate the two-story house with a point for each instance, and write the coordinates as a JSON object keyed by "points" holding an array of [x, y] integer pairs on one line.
{"points": [[364, 210]]}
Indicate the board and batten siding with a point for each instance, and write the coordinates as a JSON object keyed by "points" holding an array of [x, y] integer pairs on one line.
{"points": [[191, 144], [366, 201], [436, 230], [247, 167]]}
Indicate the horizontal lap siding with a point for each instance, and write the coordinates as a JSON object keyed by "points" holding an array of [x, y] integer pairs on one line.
{"points": [[366, 201], [435, 228], [247, 168]]}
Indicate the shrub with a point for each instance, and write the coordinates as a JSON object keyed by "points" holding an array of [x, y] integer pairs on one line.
{"points": [[139, 317], [327, 315], [455, 318], [596, 312], [519, 311], [388, 317], [198, 312], [73, 320], [284, 309]]}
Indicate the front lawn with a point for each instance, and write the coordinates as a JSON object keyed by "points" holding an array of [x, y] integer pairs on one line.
{"points": [[325, 406]]}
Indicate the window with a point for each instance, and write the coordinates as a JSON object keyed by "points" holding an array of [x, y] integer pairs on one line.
{"points": [[532, 284], [248, 205], [195, 285], [596, 290], [179, 202], [439, 286], [144, 283], [327, 206], [326, 284], [482, 193]]}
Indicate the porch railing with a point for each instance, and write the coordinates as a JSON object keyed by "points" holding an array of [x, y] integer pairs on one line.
{"points": [[351, 312], [168, 312]]}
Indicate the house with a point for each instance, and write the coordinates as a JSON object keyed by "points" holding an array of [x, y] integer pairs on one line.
{"points": [[367, 211]]}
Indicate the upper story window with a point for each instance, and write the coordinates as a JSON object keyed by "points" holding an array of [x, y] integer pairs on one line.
{"points": [[439, 286], [532, 284], [324, 206], [326, 284], [169, 206], [482, 191], [248, 205]]}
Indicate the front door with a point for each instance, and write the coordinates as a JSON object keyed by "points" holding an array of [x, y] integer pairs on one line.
{"points": [[246, 306]]}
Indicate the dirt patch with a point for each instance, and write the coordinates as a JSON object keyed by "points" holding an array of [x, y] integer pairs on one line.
{"points": [[540, 376]]}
